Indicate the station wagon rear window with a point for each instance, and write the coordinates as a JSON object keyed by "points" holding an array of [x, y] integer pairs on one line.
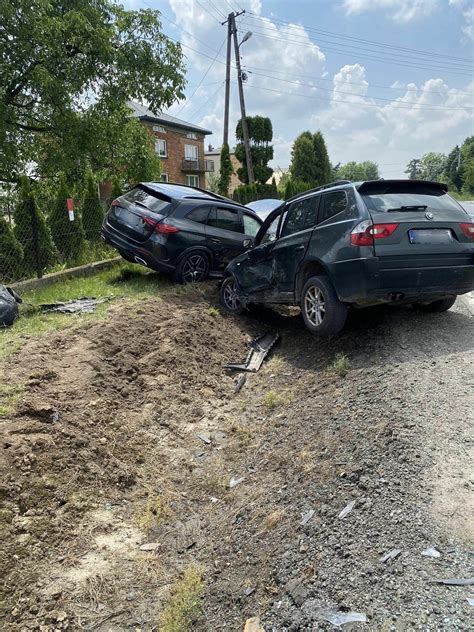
{"points": [[384, 202]]}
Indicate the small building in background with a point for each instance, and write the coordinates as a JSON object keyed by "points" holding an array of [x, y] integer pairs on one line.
{"points": [[214, 155], [179, 144]]}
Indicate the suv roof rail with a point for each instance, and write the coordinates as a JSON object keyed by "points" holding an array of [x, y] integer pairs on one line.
{"points": [[323, 186]]}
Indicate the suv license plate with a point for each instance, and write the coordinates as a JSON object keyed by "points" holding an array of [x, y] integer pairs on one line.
{"points": [[432, 236]]}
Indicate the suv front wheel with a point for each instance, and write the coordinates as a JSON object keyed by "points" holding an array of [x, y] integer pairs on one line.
{"points": [[323, 313]]}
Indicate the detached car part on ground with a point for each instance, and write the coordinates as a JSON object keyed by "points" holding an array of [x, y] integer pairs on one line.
{"points": [[356, 244], [184, 231], [9, 301]]}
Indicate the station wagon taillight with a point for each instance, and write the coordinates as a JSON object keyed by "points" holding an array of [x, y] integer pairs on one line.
{"points": [[468, 230], [366, 232]]}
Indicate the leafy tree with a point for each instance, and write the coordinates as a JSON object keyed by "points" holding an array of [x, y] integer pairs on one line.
{"points": [[356, 171], [58, 58], [116, 188], [293, 187], [92, 211], [11, 253], [433, 166], [453, 171], [310, 160], [414, 169], [32, 232], [260, 136], [226, 171], [213, 182], [467, 164], [68, 236]]}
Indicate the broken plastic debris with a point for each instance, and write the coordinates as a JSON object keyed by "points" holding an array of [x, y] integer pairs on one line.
{"points": [[391, 555], [75, 306], [259, 348], [248, 591], [239, 382], [306, 517], [347, 509], [470, 601], [341, 618], [454, 581], [431, 552], [234, 481], [204, 437], [149, 546]]}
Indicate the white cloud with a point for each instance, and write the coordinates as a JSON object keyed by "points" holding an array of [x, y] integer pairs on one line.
{"points": [[361, 128], [399, 10], [467, 9]]}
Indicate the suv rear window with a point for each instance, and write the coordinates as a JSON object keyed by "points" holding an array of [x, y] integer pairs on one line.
{"points": [[152, 201], [332, 204], [382, 202]]}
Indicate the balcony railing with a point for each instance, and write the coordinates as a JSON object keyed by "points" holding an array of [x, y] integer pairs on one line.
{"points": [[198, 165]]}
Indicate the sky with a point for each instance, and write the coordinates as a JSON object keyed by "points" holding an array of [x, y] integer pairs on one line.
{"points": [[384, 80]]}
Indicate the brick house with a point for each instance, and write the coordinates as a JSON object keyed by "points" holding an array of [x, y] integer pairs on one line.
{"points": [[179, 144], [214, 155]]}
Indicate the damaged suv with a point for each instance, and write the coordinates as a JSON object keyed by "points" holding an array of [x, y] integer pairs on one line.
{"points": [[356, 244]]}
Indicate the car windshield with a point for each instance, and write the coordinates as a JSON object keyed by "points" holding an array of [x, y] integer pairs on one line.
{"points": [[383, 202]]}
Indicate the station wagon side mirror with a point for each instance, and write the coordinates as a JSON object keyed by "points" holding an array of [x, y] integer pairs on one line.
{"points": [[247, 244]]}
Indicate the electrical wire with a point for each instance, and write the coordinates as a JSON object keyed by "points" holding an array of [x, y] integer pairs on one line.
{"points": [[203, 77], [358, 39]]}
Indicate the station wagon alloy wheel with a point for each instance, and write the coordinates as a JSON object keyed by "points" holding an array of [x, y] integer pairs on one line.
{"points": [[315, 306], [229, 298], [194, 269]]}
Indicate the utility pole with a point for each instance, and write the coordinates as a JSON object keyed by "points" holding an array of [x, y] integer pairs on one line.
{"points": [[225, 140], [245, 130]]}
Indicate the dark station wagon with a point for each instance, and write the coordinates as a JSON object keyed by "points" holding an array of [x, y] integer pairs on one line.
{"points": [[356, 244], [185, 231]]}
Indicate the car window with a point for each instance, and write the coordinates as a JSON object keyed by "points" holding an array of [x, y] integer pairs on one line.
{"points": [[251, 225], [301, 215], [271, 232], [226, 219], [199, 214], [151, 200], [332, 203], [384, 201]]}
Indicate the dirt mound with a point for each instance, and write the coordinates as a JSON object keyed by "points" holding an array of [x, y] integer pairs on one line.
{"points": [[98, 403]]}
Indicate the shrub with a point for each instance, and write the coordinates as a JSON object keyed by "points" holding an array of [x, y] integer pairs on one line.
{"points": [[68, 236], [92, 211], [11, 253], [33, 234]]}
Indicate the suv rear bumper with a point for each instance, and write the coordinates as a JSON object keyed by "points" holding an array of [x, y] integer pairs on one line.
{"points": [[134, 251], [380, 280]]}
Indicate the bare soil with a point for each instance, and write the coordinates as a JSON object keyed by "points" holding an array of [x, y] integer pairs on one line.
{"points": [[128, 433]]}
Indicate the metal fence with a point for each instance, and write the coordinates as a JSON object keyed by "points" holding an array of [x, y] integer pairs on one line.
{"points": [[50, 235]]}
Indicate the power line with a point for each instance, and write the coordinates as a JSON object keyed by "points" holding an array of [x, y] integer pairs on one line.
{"points": [[378, 59], [445, 64], [203, 77], [352, 83], [194, 116], [357, 103], [365, 41], [309, 85]]}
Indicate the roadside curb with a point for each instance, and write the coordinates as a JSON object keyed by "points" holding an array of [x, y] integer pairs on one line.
{"points": [[80, 271]]}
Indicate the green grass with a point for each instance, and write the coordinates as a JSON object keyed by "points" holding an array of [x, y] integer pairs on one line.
{"points": [[462, 197], [340, 365], [9, 396], [123, 280], [184, 604]]}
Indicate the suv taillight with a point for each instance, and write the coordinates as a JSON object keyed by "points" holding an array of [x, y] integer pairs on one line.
{"points": [[468, 230], [165, 229], [366, 232]]}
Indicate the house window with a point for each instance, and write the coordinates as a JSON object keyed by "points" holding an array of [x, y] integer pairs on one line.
{"points": [[191, 152], [160, 147], [193, 181], [164, 177], [159, 128], [192, 135]]}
